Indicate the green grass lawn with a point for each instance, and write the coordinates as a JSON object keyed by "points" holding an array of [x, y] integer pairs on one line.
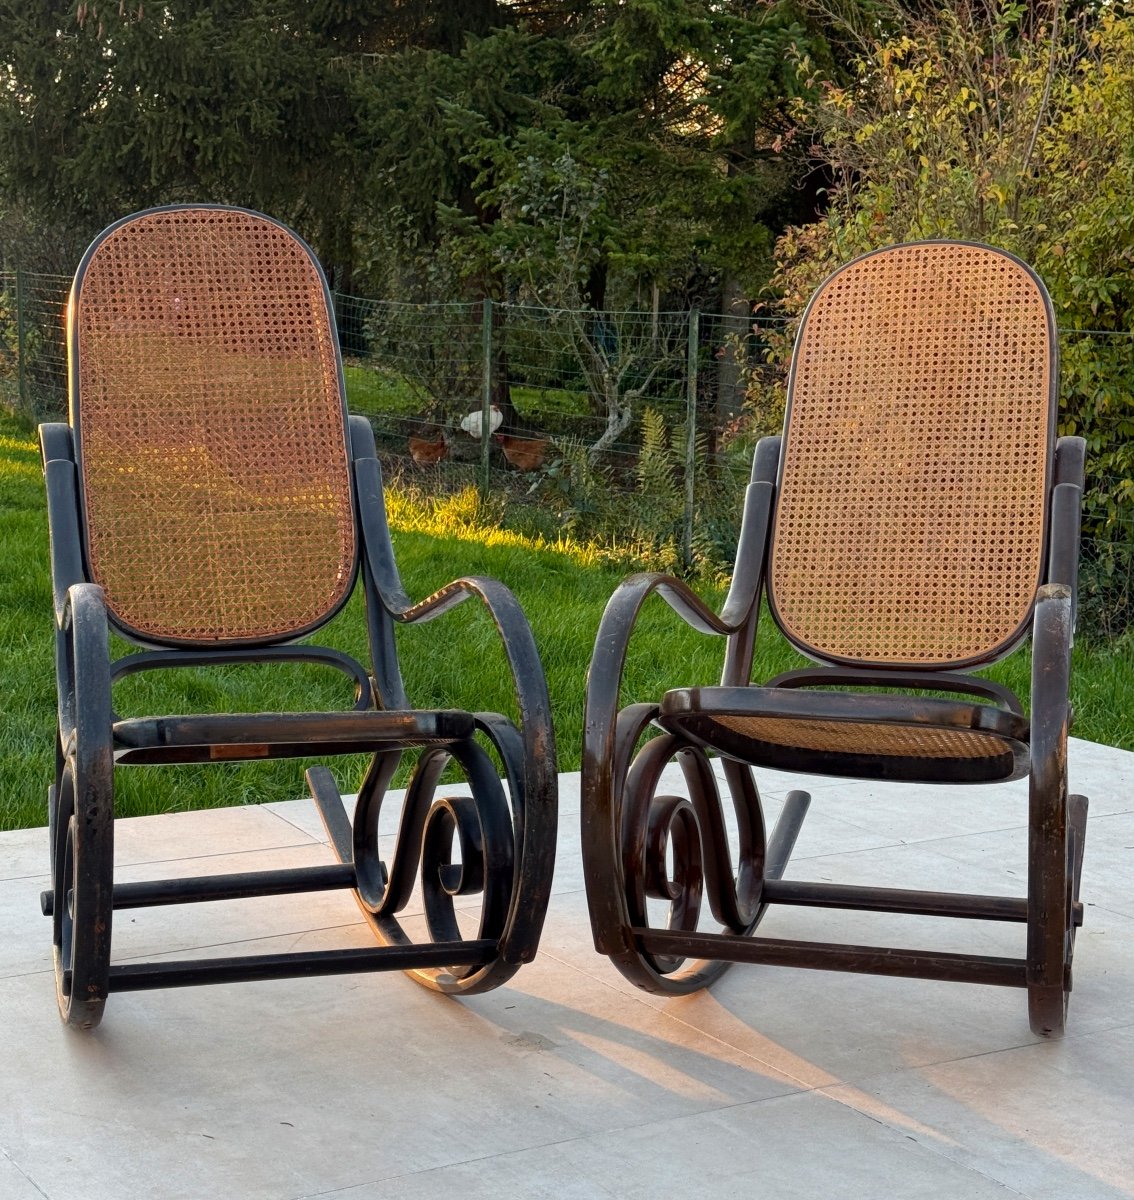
{"points": [[455, 661], [379, 392], [534, 402], [375, 391]]}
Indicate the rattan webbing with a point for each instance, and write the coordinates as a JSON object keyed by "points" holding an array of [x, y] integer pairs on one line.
{"points": [[212, 441], [910, 520], [871, 737]]}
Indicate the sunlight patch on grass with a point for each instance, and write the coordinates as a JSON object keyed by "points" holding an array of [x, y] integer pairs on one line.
{"points": [[30, 470], [466, 517], [19, 459]]}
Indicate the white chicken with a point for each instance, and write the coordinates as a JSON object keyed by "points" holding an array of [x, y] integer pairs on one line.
{"points": [[471, 423]]}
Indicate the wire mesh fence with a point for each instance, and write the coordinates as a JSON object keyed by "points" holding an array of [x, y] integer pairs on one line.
{"points": [[33, 358], [617, 426], [630, 428]]}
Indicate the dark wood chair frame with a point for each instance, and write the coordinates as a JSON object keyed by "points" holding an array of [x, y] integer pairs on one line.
{"points": [[639, 846], [506, 839]]}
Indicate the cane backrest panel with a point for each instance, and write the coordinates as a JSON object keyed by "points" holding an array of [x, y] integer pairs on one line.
{"points": [[911, 516], [207, 401]]}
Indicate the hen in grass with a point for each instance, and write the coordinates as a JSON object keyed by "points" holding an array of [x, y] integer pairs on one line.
{"points": [[524, 453]]}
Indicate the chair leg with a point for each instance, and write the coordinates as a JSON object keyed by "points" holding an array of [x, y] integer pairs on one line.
{"points": [[1055, 867], [1077, 838], [82, 817], [82, 849], [53, 803], [674, 850], [1077, 815], [782, 841], [53, 826], [481, 827]]}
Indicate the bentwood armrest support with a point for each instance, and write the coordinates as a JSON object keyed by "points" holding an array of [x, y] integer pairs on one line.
{"points": [[529, 760], [534, 784], [62, 513], [534, 787], [609, 737]]}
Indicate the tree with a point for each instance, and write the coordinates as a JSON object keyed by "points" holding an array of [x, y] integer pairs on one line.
{"points": [[267, 103], [368, 124], [113, 108], [648, 163]]}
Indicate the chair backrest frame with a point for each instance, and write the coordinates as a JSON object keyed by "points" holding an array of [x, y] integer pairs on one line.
{"points": [[1035, 345], [317, 497]]}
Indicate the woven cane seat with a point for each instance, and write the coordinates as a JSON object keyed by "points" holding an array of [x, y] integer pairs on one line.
{"points": [[910, 519], [863, 736], [211, 429]]}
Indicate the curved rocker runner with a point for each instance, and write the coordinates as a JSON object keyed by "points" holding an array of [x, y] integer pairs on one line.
{"points": [[211, 500]]}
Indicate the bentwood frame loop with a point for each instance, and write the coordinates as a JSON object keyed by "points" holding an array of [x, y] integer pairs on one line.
{"points": [[211, 500], [917, 519]]}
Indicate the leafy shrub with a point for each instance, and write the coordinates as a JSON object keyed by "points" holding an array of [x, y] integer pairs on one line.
{"points": [[977, 122]]}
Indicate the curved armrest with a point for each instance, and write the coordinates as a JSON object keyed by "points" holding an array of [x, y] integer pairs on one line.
{"points": [[63, 530], [56, 441], [523, 658], [604, 678], [1066, 516], [737, 613], [519, 646]]}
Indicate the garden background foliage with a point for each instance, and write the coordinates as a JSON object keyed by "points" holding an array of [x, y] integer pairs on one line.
{"points": [[1010, 125]]}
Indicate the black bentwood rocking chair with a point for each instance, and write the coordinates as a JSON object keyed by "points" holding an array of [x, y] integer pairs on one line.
{"points": [[211, 501], [916, 519]]}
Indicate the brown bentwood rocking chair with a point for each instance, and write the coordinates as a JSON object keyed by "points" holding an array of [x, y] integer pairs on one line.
{"points": [[211, 500], [918, 518]]}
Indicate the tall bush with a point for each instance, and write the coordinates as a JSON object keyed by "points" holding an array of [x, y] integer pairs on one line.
{"points": [[978, 121]]}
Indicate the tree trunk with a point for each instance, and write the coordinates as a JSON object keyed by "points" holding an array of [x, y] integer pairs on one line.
{"points": [[619, 414], [729, 352]]}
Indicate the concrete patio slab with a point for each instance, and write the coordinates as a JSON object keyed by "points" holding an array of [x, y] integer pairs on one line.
{"points": [[568, 1082]]}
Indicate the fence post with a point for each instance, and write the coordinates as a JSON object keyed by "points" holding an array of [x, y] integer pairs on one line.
{"points": [[691, 433], [21, 344], [486, 397]]}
